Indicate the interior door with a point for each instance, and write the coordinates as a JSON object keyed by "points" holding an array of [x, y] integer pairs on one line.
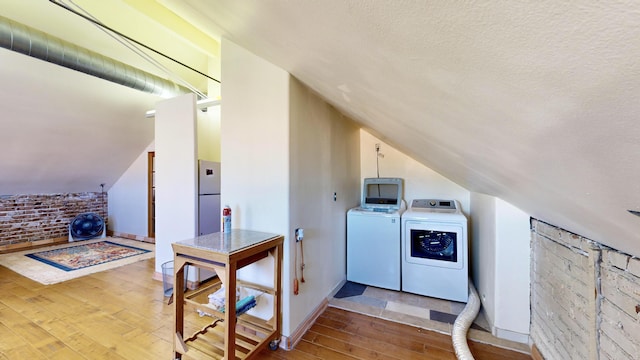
{"points": [[151, 194]]}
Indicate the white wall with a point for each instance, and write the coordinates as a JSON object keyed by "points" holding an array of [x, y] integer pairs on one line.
{"points": [[420, 182], [255, 140], [208, 130], [176, 181], [513, 258], [255, 153], [324, 160], [128, 201], [499, 235], [284, 154], [483, 251], [500, 262], [209, 122]]}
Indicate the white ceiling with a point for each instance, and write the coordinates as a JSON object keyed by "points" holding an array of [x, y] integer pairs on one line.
{"points": [[531, 101], [534, 102]]}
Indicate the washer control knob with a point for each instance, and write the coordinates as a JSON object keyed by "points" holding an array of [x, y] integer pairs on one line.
{"points": [[432, 203]]}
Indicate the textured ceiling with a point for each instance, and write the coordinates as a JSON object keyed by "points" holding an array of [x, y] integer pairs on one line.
{"points": [[534, 102]]}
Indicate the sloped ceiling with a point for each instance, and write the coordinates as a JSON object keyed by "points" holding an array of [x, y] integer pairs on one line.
{"points": [[534, 102], [66, 137], [65, 131]]}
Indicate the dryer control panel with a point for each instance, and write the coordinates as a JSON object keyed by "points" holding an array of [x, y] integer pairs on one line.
{"points": [[434, 204]]}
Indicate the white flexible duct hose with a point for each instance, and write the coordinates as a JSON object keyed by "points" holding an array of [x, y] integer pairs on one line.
{"points": [[463, 323]]}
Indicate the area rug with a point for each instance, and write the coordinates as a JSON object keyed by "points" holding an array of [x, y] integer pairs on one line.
{"points": [[68, 261], [84, 255]]}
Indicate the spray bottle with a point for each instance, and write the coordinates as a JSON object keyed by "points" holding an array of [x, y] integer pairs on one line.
{"points": [[226, 219]]}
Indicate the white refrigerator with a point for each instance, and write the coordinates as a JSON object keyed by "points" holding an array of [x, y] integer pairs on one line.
{"points": [[209, 216]]}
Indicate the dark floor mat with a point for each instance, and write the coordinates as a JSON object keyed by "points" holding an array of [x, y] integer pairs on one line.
{"points": [[442, 317], [350, 289]]}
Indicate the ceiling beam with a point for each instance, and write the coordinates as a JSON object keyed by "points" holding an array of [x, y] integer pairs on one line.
{"points": [[182, 28]]}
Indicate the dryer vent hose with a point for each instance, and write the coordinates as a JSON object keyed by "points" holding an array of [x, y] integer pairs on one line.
{"points": [[463, 323]]}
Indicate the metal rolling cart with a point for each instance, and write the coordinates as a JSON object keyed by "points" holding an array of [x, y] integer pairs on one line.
{"points": [[242, 335]]}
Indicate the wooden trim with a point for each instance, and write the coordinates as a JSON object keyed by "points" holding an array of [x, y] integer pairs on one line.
{"points": [[131, 236], [291, 341], [32, 244], [151, 230], [535, 353]]}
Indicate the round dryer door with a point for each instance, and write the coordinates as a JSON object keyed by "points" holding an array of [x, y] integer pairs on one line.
{"points": [[436, 245]]}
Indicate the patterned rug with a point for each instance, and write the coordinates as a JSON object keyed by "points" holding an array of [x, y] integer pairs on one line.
{"points": [[85, 255], [82, 258]]}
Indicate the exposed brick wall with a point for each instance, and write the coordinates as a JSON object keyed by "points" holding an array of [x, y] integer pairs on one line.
{"points": [[563, 293], [25, 218], [585, 297], [620, 322]]}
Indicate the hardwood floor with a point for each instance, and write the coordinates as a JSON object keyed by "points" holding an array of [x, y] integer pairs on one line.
{"points": [[122, 314]]}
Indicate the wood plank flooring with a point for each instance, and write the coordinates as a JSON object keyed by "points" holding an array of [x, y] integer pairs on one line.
{"points": [[122, 314]]}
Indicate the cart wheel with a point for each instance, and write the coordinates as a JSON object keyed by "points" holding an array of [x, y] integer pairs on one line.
{"points": [[273, 346]]}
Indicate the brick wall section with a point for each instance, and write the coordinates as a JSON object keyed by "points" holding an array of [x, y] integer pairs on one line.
{"points": [[25, 218], [585, 297], [563, 293], [620, 321]]}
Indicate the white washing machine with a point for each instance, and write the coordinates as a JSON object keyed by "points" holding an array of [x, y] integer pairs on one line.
{"points": [[373, 247], [373, 234], [435, 246]]}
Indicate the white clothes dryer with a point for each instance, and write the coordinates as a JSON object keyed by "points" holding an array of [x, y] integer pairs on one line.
{"points": [[435, 260]]}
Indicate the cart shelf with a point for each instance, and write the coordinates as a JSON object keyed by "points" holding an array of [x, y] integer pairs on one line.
{"points": [[225, 253]]}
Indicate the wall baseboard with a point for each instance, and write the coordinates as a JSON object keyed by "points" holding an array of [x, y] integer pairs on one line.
{"points": [[510, 335], [535, 353], [289, 342], [32, 244], [131, 236]]}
